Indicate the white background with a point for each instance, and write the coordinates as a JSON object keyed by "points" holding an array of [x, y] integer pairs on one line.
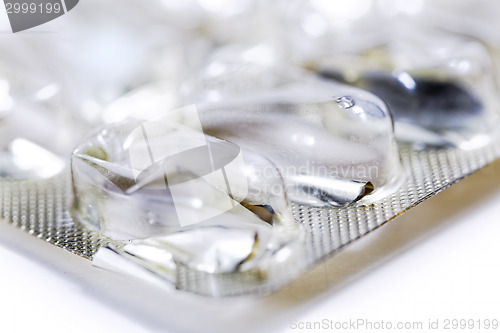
{"points": [[438, 261]]}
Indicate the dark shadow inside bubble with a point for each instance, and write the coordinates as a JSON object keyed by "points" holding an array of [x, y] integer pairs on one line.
{"points": [[435, 104]]}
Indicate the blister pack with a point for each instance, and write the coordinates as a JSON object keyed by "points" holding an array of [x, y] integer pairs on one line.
{"points": [[236, 169]]}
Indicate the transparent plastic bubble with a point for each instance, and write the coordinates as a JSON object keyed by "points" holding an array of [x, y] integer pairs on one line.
{"points": [[206, 202], [473, 18], [36, 129], [52, 85], [333, 144], [438, 86], [478, 19], [59, 83], [109, 48], [146, 102], [235, 98], [319, 27]]}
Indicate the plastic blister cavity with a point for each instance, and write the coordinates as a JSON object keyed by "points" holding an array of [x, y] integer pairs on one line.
{"points": [[332, 143], [35, 130], [476, 19], [438, 86], [202, 201], [167, 187]]}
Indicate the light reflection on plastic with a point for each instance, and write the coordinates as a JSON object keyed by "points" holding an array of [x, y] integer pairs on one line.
{"points": [[29, 156], [260, 55], [6, 101], [307, 140], [47, 92], [394, 7], [225, 6], [314, 25], [477, 142], [343, 9], [406, 80], [410, 7]]}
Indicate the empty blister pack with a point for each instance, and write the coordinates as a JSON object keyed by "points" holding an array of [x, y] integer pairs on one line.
{"points": [[244, 174]]}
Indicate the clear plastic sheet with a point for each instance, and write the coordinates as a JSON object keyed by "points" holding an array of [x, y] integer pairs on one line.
{"points": [[136, 197]]}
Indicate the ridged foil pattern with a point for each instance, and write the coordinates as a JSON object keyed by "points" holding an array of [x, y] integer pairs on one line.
{"points": [[42, 209]]}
